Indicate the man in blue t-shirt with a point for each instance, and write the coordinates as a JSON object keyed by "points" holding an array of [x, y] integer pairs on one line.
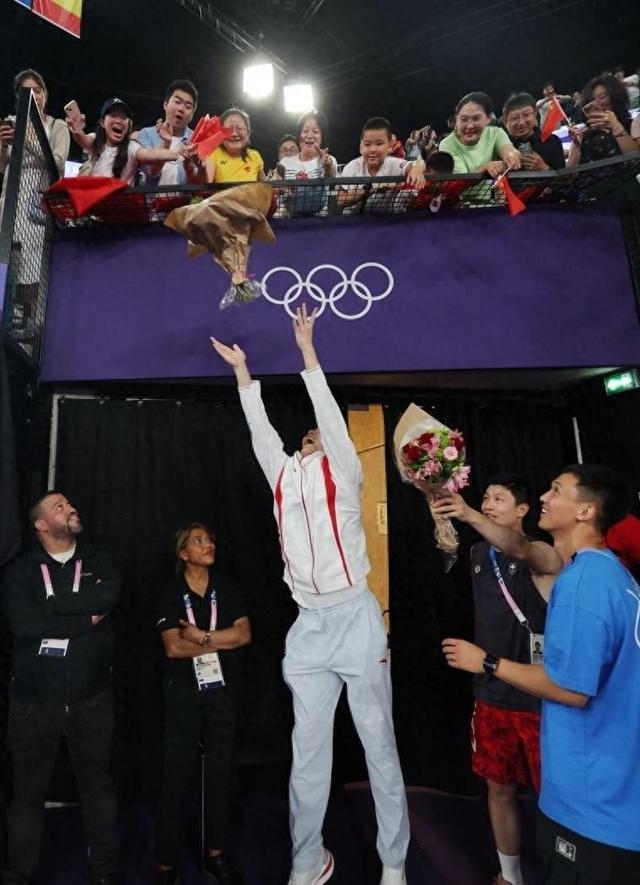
{"points": [[589, 829]]}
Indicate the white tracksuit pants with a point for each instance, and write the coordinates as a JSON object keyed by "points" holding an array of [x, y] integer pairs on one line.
{"points": [[325, 648]]}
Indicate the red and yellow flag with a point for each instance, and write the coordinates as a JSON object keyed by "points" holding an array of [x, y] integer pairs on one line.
{"points": [[66, 14]]}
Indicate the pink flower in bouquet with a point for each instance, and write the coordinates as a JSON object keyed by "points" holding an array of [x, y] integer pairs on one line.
{"points": [[450, 453], [457, 439], [458, 479], [431, 468]]}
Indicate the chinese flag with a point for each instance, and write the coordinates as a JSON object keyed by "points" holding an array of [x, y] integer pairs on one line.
{"points": [[86, 191], [555, 116], [514, 203]]}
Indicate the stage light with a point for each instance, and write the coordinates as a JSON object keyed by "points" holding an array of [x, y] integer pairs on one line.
{"points": [[257, 81], [298, 98]]}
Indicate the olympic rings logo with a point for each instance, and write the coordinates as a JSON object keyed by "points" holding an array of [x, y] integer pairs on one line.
{"points": [[315, 291]]}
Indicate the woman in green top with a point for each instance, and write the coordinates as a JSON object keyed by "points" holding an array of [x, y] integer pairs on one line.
{"points": [[475, 145]]}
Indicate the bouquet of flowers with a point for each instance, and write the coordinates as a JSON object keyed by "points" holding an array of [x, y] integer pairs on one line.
{"points": [[225, 224], [431, 456]]}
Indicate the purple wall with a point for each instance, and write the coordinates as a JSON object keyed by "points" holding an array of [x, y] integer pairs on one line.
{"points": [[550, 288]]}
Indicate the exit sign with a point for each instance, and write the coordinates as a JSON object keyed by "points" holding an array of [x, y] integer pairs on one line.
{"points": [[621, 381]]}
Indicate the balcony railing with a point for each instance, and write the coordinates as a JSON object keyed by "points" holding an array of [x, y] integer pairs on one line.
{"points": [[607, 182]]}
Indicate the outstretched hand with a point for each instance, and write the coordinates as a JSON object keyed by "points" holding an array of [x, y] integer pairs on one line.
{"points": [[463, 655], [451, 505], [303, 326], [235, 356]]}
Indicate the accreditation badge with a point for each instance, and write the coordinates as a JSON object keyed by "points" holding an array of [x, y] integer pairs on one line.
{"points": [[208, 671], [53, 648], [536, 648]]}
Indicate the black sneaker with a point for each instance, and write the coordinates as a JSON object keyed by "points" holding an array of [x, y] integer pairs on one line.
{"points": [[218, 867]]}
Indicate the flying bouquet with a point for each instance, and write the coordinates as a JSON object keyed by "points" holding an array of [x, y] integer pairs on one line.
{"points": [[432, 456], [225, 224]]}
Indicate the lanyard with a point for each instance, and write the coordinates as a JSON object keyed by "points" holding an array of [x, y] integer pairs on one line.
{"points": [[503, 587], [214, 611], [48, 584]]}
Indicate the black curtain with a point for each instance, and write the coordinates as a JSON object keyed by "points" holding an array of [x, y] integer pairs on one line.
{"points": [[10, 523], [432, 704], [139, 469]]}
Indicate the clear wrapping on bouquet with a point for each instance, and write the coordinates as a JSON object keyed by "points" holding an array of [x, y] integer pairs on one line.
{"points": [[431, 456], [225, 224]]}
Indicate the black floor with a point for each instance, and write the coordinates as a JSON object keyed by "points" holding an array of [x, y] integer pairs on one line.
{"points": [[451, 841]]}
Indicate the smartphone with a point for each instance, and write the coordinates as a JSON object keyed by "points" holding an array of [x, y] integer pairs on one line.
{"points": [[71, 109], [592, 108]]}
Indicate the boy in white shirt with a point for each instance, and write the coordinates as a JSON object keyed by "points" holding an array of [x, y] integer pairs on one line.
{"points": [[376, 143]]}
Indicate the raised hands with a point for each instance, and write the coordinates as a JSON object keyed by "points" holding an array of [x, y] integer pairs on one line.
{"points": [[303, 332], [236, 358]]}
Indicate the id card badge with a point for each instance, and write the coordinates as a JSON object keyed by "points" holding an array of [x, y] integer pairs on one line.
{"points": [[208, 671], [54, 648], [536, 648]]}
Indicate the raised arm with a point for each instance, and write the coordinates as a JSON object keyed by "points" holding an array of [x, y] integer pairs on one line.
{"points": [[334, 434], [267, 445], [541, 558]]}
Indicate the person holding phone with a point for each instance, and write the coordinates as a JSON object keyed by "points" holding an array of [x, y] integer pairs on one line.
{"points": [[605, 105], [57, 133]]}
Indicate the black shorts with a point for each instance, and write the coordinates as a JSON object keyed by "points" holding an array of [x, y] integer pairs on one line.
{"points": [[570, 859]]}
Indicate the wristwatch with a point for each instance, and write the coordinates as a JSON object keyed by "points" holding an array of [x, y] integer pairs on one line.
{"points": [[490, 664], [206, 639]]}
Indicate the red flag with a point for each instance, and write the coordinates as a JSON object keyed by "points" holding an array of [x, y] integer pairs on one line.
{"points": [[514, 203], [555, 115], [85, 191], [209, 134]]}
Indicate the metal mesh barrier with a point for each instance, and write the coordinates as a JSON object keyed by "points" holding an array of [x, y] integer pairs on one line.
{"points": [[25, 234], [608, 182]]}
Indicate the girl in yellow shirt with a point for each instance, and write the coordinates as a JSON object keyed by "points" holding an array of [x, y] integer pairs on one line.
{"points": [[234, 160]]}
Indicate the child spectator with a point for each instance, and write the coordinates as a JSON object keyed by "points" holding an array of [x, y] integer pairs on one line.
{"points": [[374, 161], [180, 102], [112, 152], [437, 163], [234, 160], [520, 121], [287, 147], [605, 104], [475, 145]]}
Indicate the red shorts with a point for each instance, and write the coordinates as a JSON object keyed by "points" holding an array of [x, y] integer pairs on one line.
{"points": [[506, 745]]}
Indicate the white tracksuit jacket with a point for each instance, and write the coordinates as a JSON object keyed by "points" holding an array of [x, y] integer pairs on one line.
{"points": [[317, 498]]}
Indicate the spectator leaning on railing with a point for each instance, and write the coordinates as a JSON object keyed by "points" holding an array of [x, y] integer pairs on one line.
{"points": [[234, 160], [520, 121], [112, 152], [605, 104], [475, 145]]}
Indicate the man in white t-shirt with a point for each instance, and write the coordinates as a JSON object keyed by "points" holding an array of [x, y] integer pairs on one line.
{"points": [[180, 102], [374, 161]]}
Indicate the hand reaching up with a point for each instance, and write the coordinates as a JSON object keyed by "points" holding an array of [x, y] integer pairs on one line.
{"points": [[236, 358]]}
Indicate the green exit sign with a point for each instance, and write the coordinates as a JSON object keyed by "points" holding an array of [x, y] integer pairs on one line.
{"points": [[621, 381]]}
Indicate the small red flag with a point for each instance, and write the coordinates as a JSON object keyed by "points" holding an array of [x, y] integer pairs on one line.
{"points": [[514, 203], [555, 116], [86, 191]]}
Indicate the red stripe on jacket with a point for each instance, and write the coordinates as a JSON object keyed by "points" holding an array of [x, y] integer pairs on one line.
{"points": [[330, 488]]}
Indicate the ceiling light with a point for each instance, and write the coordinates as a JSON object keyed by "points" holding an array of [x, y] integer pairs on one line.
{"points": [[257, 81], [298, 98]]}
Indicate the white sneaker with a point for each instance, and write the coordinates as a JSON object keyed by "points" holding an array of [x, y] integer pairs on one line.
{"points": [[393, 876], [319, 876]]}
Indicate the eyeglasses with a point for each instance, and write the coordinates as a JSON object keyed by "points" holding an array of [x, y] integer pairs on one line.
{"points": [[525, 115]]}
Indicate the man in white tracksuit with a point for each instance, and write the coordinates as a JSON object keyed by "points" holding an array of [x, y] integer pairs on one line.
{"points": [[339, 635]]}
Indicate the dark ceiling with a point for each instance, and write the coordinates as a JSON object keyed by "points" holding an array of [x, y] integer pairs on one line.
{"points": [[409, 62]]}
